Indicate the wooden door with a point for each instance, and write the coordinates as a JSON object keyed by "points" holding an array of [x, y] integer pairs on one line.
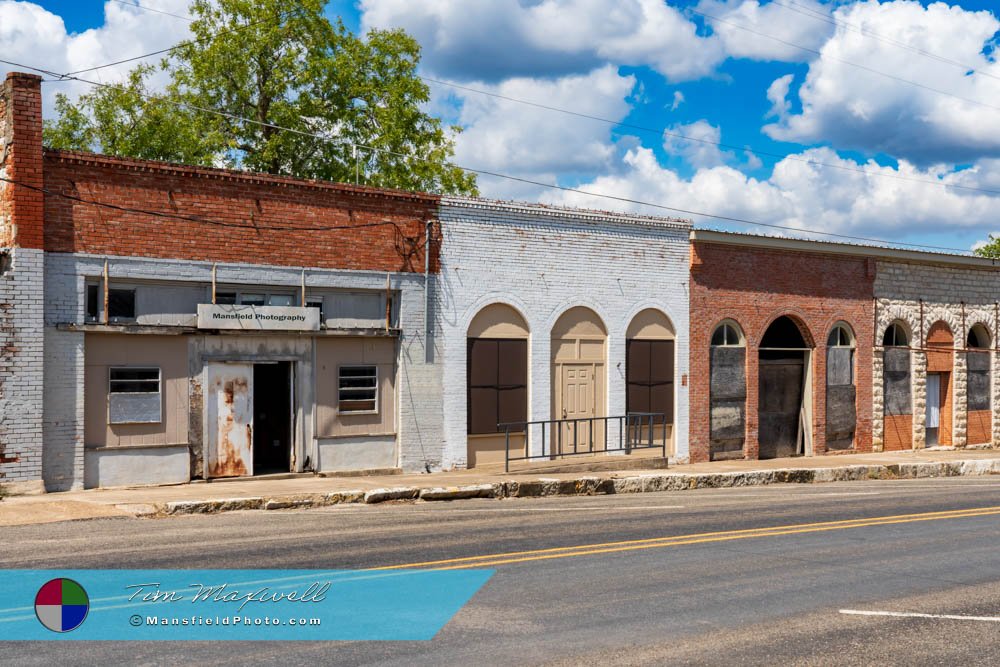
{"points": [[229, 420], [780, 404], [578, 401]]}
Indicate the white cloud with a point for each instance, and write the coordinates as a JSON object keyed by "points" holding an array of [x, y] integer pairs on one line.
{"points": [[697, 143], [507, 137], [37, 37], [744, 23], [678, 100], [777, 95], [494, 39], [807, 196], [854, 108]]}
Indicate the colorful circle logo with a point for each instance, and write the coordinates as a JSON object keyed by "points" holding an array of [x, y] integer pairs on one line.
{"points": [[61, 605]]}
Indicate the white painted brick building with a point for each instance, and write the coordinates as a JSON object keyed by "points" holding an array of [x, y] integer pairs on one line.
{"points": [[544, 261]]}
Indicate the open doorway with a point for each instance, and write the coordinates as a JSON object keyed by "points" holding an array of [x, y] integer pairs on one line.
{"points": [[272, 417], [783, 396]]}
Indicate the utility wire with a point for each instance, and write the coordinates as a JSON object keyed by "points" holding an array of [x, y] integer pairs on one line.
{"points": [[845, 62], [803, 10], [709, 142], [136, 5], [533, 182]]}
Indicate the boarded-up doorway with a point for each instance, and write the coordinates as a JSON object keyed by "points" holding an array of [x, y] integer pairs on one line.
{"points": [[783, 376]]}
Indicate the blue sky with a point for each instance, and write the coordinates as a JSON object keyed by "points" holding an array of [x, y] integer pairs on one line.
{"points": [[718, 70]]}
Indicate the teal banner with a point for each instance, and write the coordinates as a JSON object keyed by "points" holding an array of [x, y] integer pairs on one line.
{"points": [[238, 605]]}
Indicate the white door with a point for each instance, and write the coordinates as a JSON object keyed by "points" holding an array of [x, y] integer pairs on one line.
{"points": [[933, 400], [229, 420]]}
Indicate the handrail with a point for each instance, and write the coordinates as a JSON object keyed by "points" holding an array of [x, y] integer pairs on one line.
{"points": [[636, 430]]}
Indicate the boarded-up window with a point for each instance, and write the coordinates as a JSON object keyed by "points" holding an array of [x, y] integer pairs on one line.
{"points": [[649, 373], [497, 383], [134, 396], [979, 380], [841, 394], [897, 381], [728, 387]]}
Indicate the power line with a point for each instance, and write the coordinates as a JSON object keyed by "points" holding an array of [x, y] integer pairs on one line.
{"points": [[678, 135], [185, 43], [658, 132], [199, 219], [845, 62], [801, 9], [539, 183], [136, 5]]}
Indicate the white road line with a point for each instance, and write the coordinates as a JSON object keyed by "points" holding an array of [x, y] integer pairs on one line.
{"points": [[902, 614]]}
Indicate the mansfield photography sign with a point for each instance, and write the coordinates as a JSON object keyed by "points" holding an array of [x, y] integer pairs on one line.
{"points": [[257, 318]]}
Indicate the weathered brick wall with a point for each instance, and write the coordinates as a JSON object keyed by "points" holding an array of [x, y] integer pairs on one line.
{"points": [[918, 295], [242, 217], [754, 286], [21, 286], [543, 261]]}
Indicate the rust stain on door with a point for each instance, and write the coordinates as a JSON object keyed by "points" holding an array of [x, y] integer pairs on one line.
{"points": [[231, 421]]}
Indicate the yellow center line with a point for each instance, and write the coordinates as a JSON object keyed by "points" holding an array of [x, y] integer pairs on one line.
{"points": [[490, 560]]}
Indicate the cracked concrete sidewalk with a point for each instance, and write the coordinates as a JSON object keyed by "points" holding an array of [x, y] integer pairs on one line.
{"points": [[310, 491]]}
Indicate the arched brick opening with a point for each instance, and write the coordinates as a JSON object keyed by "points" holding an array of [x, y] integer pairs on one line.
{"points": [[940, 385]]}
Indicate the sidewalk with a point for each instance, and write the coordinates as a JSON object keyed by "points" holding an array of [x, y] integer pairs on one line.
{"points": [[311, 491]]}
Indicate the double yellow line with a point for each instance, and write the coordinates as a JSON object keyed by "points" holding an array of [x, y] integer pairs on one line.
{"points": [[493, 560]]}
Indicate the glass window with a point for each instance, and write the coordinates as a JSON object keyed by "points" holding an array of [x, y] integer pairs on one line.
{"points": [[357, 389], [497, 383], [121, 304], [978, 338], [225, 298], [93, 302], [134, 395], [726, 335], [253, 299], [281, 300], [895, 336]]}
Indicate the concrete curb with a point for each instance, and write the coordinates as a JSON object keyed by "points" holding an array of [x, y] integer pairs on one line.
{"points": [[591, 485]]}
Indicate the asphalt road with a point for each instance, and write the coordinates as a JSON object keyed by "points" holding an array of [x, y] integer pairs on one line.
{"points": [[728, 576]]}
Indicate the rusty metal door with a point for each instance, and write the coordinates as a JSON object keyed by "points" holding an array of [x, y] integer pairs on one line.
{"points": [[780, 403], [229, 411]]}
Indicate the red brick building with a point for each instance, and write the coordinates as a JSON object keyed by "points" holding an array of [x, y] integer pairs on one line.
{"points": [[772, 314]]}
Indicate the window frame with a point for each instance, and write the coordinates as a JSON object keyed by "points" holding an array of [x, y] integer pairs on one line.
{"points": [[736, 329], [158, 393], [895, 326], [377, 404], [268, 294]]}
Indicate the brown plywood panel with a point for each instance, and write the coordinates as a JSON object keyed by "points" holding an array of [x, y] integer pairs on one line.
{"points": [[483, 417], [482, 362], [661, 361], [512, 365], [512, 405], [638, 360], [661, 399]]}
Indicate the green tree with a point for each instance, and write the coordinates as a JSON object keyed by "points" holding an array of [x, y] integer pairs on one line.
{"points": [[268, 67], [990, 249]]}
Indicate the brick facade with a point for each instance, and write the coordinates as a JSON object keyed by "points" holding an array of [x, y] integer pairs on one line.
{"points": [[753, 285], [543, 261]]}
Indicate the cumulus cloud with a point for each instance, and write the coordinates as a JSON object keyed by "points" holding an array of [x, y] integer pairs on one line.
{"points": [[697, 143], [807, 196], [509, 137], [854, 108], [37, 37], [742, 24], [495, 39]]}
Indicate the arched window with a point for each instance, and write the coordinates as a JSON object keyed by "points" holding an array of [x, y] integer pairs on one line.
{"points": [[497, 369], [978, 338], [727, 334], [840, 336], [895, 336], [649, 365]]}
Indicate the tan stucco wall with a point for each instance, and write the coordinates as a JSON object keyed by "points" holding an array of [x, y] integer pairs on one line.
{"points": [[170, 354], [330, 354]]}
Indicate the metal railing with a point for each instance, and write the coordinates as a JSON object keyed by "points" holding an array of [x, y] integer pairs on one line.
{"points": [[636, 430]]}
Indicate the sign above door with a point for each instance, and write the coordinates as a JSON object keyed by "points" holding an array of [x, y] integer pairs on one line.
{"points": [[257, 318]]}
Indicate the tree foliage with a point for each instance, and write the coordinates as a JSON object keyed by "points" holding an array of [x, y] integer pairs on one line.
{"points": [[270, 64], [990, 249]]}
